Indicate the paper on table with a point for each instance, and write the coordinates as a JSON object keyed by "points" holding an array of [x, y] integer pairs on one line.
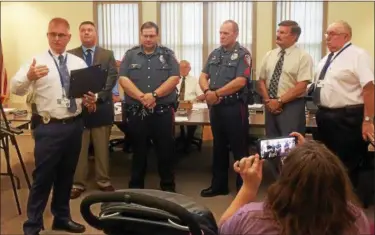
{"points": [[7, 110], [200, 106], [255, 106], [181, 119]]}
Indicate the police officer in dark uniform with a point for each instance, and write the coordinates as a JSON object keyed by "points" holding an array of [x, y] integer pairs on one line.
{"points": [[223, 81], [149, 74]]}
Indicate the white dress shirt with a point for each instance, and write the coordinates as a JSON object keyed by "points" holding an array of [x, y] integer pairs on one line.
{"points": [[192, 88], [346, 76], [48, 89]]}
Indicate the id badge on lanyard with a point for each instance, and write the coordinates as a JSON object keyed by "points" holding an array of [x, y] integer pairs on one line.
{"points": [[64, 101]]}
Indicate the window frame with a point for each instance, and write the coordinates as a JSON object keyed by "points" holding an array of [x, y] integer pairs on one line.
{"points": [[324, 26], [205, 52], [95, 11]]}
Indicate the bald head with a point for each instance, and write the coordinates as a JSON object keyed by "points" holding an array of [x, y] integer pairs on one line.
{"points": [[58, 34], [337, 35], [184, 62], [184, 68], [234, 25], [341, 27]]}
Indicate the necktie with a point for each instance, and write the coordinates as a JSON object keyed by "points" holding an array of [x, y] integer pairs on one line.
{"points": [[88, 57], [316, 94], [274, 84], [182, 89], [66, 79]]}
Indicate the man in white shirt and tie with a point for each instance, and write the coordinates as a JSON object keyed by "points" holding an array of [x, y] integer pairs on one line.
{"points": [[344, 94], [58, 128], [188, 90]]}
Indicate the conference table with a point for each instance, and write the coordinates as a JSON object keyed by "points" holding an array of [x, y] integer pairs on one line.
{"points": [[201, 117], [193, 117]]}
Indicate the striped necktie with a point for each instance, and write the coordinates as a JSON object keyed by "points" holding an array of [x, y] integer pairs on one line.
{"points": [[274, 84]]}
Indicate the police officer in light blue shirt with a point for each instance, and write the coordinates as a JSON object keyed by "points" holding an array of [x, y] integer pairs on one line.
{"points": [[149, 74]]}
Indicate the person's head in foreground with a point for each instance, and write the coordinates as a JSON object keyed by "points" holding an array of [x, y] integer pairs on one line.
{"points": [[313, 195]]}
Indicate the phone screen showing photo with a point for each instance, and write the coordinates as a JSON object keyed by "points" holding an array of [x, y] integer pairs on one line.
{"points": [[276, 148]]}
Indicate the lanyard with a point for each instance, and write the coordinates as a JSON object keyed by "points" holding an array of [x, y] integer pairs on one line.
{"points": [[343, 49], [58, 68]]}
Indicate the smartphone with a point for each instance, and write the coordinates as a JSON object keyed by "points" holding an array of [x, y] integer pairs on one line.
{"points": [[276, 147]]}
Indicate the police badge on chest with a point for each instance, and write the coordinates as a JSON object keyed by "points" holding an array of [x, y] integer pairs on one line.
{"points": [[162, 60]]}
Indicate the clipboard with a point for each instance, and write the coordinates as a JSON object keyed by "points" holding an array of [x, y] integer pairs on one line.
{"points": [[88, 79]]}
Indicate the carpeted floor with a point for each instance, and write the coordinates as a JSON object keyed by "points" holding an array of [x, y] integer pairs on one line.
{"points": [[192, 175]]}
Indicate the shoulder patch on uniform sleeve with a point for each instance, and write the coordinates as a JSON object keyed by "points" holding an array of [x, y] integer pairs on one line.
{"points": [[248, 59], [245, 49]]}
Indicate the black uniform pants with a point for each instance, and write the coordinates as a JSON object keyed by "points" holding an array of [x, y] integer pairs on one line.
{"points": [[230, 126], [57, 148], [160, 127], [341, 131]]}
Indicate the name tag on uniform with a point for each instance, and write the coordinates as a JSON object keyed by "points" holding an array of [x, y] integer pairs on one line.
{"points": [[320, 83], [64, 102]]}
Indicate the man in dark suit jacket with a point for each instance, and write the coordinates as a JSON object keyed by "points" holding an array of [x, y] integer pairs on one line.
{"points": [[97, 125]]}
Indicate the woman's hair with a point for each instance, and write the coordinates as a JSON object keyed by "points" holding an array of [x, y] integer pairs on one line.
{"points": [[313, 193]]}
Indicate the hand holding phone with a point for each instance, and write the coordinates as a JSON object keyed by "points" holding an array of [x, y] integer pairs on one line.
{"points": [[250, 169], [276, 147], [299, 137]]}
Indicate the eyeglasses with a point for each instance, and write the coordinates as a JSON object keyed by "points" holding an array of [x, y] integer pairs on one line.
{"points": [[332, 34], [59, 35]]}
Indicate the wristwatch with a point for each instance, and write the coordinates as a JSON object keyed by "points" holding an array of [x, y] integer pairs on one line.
{"points": [[369, 119], [154, 95], [280, 101]]}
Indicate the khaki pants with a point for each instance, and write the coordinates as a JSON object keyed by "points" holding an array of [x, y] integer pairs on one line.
{"points": [[100, 137]]}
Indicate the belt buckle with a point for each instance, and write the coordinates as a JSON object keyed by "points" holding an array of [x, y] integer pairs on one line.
{"points": [[46, 118]]}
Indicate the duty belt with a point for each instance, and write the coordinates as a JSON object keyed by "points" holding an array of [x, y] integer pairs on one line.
{"points": [[230, 99], [142, 111]]}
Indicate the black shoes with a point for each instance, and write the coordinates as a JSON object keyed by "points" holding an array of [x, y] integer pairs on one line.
{"points": [[210, 192], [68, 226]]}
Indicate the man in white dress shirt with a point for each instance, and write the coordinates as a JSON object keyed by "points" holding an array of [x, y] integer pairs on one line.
{"points": [[188, 90], [57, 126], [344, 94]]}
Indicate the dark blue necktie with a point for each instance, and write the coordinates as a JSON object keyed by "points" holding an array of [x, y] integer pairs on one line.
{"points": [[316, 94], [66, 79], [88, 57]]}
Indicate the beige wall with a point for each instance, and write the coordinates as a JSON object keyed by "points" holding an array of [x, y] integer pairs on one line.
{"points": [[360, 15], [23, 26]]}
